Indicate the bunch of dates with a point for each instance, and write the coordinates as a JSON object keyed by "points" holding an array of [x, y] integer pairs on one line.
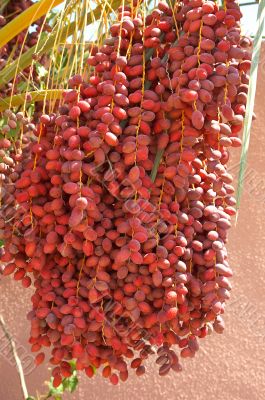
{"points": [[121, 199]]}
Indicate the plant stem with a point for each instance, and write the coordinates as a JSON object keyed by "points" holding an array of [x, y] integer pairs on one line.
{"points": [[16, 357], [3, 5]]}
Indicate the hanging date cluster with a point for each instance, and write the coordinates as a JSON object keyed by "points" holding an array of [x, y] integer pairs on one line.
{"points": [[123, 200]]}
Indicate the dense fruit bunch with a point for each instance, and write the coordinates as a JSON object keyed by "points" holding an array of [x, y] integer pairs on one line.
{"points": [[123, 199], [10, 151]]}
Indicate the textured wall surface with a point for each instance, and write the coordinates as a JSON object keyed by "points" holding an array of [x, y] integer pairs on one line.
{"points": [[228, 366]]}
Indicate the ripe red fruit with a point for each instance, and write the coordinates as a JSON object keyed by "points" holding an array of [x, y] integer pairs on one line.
{"points": [[39, 358], [114, 379], [89, 371]]}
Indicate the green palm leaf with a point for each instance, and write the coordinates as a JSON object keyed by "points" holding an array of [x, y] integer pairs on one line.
{"points": [[251, 100]]}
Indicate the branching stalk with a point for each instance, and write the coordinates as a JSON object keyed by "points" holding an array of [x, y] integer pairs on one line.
{"points": [[16, 357]]}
